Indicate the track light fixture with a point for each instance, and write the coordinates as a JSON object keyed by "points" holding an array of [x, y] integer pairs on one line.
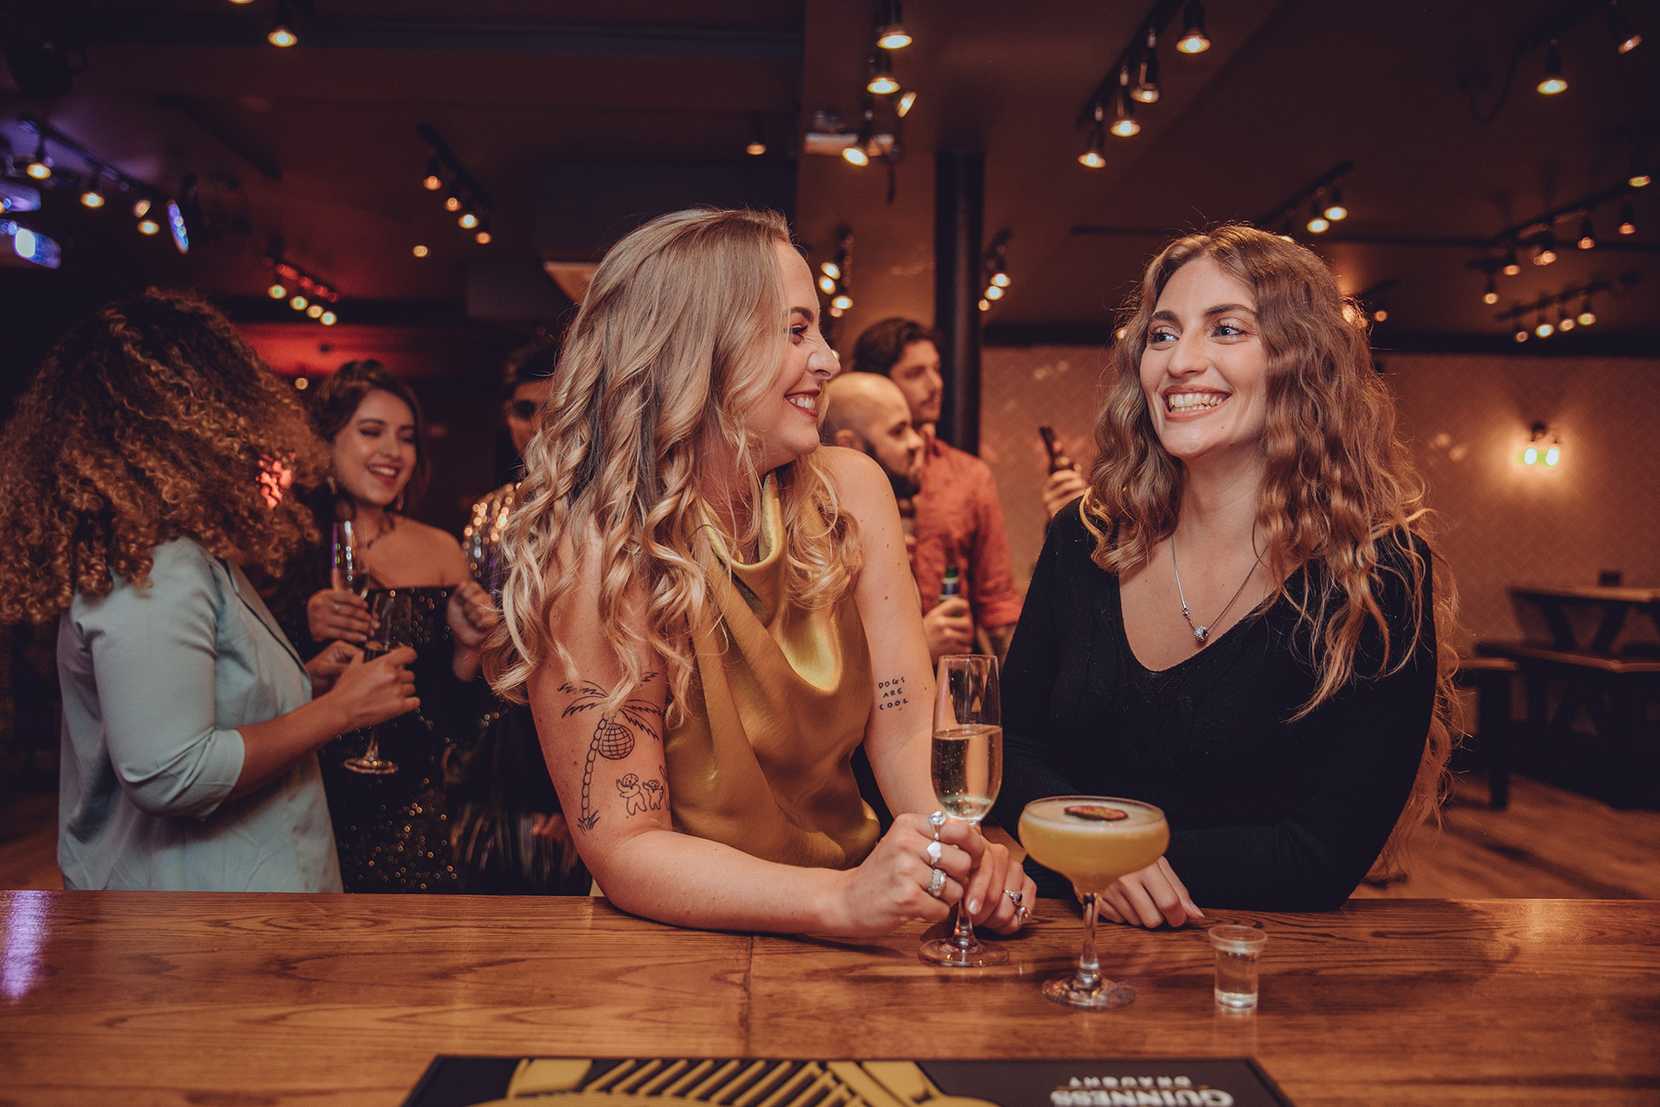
{"points": [[1146, 90], [1490, 295], [1094, 156], [1123, 122], [282, 33], [890, 26], [1335, 211], [432, 182], [906, 101], [463, 197], [1317, 221], [307, 294], [1512, 267], [1628, 219], [1553, 83], [996, 266], [1544, 250], [1194, 40], [757, 145], [858, 153], [1554, 314], [1314, 207], [834, 274], [92, 196], [39, 166], [881, 81], [1626, 39], [1587, 234], [1639, 177]]}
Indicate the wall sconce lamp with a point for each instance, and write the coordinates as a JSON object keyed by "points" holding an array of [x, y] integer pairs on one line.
{"points": [[1540, 452]]}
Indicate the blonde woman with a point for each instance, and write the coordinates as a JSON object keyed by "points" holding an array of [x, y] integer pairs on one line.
{"points": [[708, 613], [1238, 621]]}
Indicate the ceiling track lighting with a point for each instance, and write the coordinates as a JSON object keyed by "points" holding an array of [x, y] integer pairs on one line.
{"points": [[306, 293], [1554, 314], [890, 26], [39, 166], [282, 33], [881, 81], [835, 273], [996, 265], [1587, 239], [1194, 40], [1626, 38], [757, 145], [1553, 83], [1540, 233], [1094, 155], [857, 153], [463, 197], [1134, 77], [1628, 219], [1316, 206], [1146, 89]]}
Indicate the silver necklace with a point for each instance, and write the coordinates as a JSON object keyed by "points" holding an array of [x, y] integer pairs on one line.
{"points": [[1201, 632]]}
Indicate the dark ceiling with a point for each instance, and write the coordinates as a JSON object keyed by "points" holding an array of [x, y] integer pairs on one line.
{"points": [[317, 145]]}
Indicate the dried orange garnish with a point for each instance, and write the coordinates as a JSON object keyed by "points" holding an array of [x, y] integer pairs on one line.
{"points": [[1099, 812]]}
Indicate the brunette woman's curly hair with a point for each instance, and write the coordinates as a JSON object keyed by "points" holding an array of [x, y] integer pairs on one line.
{"points": [[1340, 488], [149, 421]]}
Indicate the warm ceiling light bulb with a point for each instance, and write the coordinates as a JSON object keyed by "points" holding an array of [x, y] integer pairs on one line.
{"points": [[92, 196], [483, 237], [39, 167], [1587, 235], [1553, 82], [314, 310], [855, 155], [1530, 456], [907, 101], [842, 301], [1335, 211], [432, 182], [830, 269], [467, 221], [890, 31], [1094, 157], [827, 284], [1544, 253], [148, 226], [1194, 40], [836, 312], [1381, 315], [985, 304], [1318, 224], [1587, 317], [1566, 323], [282, 36], [141, 207], [755, 148], [1520, 335], [881, 81], [276, 292], [994, 292], [1553, 455], [1626, 38], [1001, 279], [329, 319], [452, 202], [420, 250], [1123, 123], [299, 303], [1544, 329], [1491, 294], [1628, 219]]}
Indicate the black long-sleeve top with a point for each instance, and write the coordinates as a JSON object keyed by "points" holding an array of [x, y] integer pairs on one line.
{"points": [[1264, 814]]}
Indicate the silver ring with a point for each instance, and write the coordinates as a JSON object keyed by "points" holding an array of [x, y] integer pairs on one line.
{"points": [[937, 822], [1022, 913], [1016, 898], [936, 882], [932, 853]]}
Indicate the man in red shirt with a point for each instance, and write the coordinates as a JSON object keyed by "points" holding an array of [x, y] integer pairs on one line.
{"points": [[959, 521]]}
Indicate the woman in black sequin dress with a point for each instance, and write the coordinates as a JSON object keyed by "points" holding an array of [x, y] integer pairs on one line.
{"points": [[394, 830]]}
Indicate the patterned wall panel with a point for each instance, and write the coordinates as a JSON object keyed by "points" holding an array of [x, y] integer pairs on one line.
{"points": [[1466, 419]]}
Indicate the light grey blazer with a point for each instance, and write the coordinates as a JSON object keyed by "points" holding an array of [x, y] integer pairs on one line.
{"points": [[156, 679]]}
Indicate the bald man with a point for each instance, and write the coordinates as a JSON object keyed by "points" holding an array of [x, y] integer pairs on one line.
{"points": [[869, 413]]}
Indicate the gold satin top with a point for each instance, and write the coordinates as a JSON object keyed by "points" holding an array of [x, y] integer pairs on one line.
{"points": [[762, 761]]}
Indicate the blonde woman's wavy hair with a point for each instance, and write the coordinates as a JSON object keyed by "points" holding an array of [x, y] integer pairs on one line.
{"points": [[1340, 486], [683, 329]]}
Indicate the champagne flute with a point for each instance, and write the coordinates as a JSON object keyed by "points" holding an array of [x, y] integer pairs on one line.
{"points": [[370, 762], [967, 768], [1092, 841]]}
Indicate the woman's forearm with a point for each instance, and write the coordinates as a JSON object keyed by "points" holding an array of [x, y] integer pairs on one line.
{"points": [[270, 747], [686, 881]]}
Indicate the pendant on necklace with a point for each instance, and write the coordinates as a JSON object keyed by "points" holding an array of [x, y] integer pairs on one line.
{"points": [[1200, 633]]}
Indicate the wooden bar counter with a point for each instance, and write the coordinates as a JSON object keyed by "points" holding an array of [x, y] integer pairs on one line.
{"points": [[139, 998]]}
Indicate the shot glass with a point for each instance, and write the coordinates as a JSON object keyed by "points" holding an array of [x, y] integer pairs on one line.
{"points": [[1238, 949]]}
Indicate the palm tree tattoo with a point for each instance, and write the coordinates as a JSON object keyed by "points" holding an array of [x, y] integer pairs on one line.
{"points": [[613, 737]]}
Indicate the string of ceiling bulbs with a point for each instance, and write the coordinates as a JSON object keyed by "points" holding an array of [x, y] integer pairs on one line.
{"points": [[1134, 77], [463, 196]]}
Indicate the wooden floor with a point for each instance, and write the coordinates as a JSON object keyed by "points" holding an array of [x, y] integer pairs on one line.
{"points": [[1549, 844]]}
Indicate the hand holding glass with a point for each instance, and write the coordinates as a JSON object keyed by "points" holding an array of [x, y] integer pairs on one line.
{"points": [[967, 766]]}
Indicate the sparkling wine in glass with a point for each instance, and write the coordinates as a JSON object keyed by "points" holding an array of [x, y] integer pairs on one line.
{"points": [[347, 572], [966, 761], [1092, 841]]}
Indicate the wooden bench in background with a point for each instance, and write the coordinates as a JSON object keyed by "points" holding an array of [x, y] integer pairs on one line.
{"points": [[1490, 679]]}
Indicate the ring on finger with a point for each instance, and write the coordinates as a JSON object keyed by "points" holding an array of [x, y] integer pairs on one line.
{"points": [[1015, 897], [932, 853], [936, 822], [936, 882]]}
